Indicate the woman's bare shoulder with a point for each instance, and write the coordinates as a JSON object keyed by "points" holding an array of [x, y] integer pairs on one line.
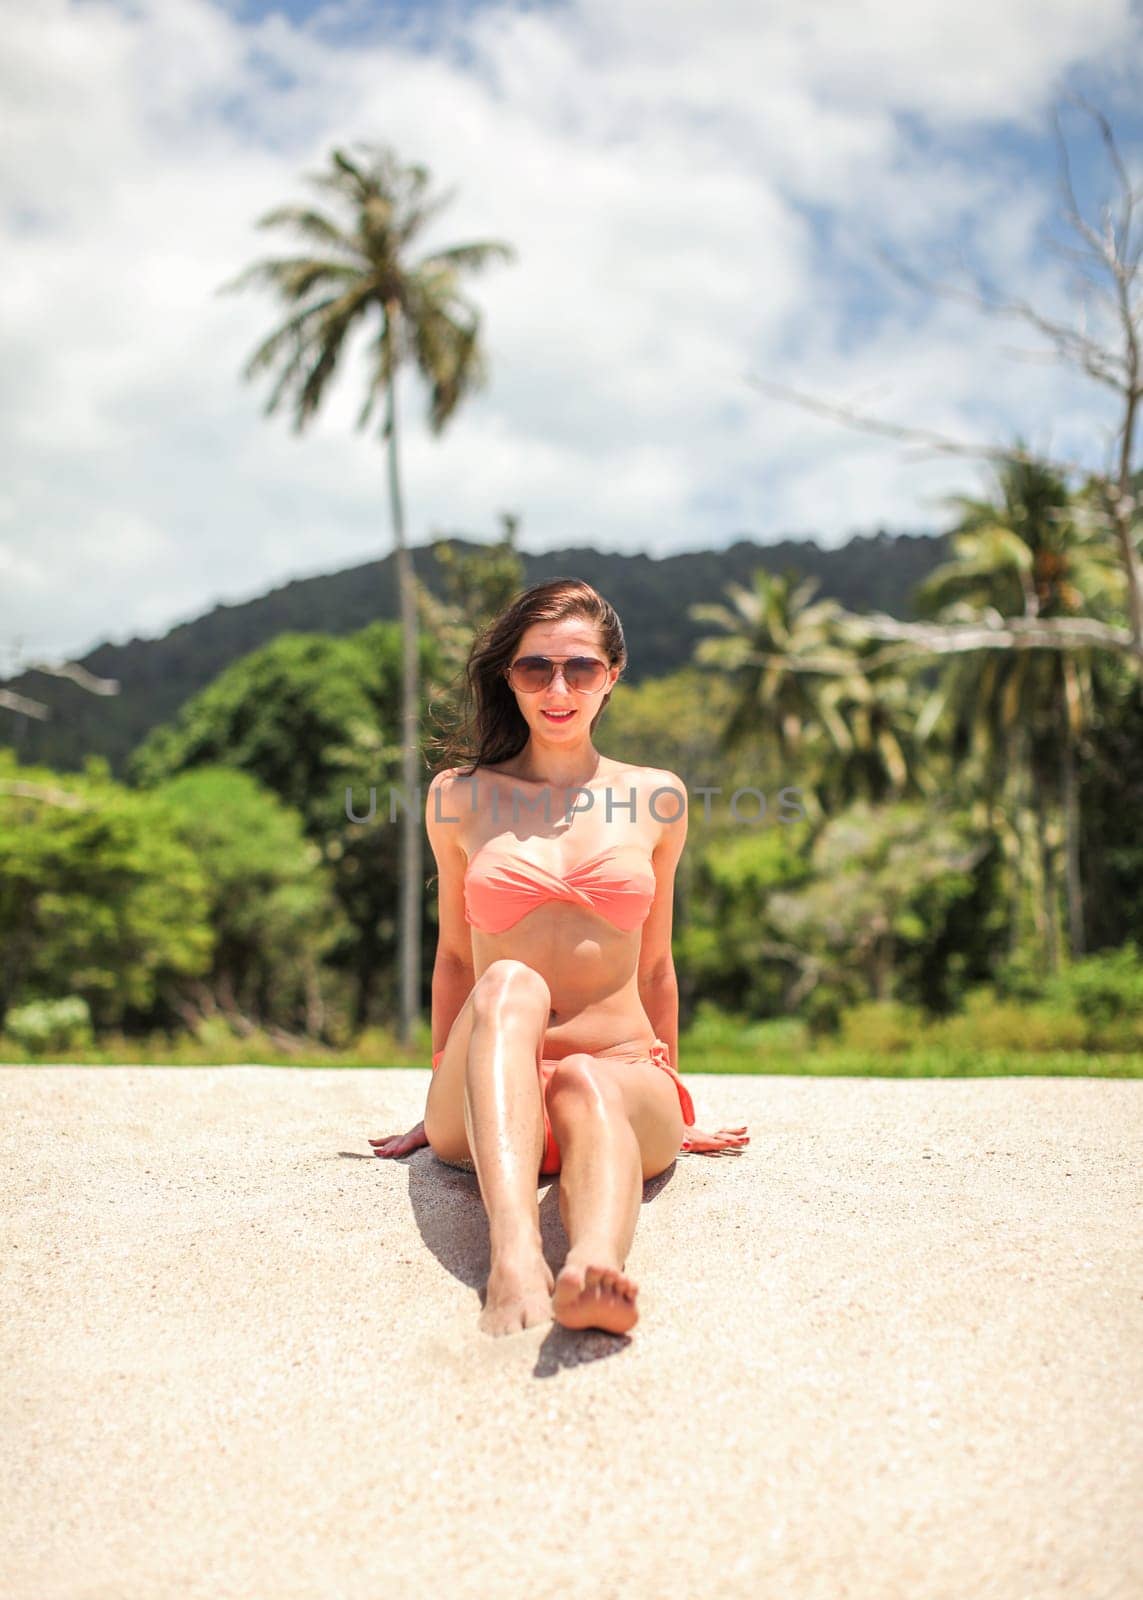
{"points": [[650, 778], [447, 777], [446, 788]]}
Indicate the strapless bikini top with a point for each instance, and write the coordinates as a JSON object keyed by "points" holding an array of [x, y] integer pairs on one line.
{"points": [[501, 886]]}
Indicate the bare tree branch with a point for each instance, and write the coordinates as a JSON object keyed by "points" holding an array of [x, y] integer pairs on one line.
{"points": [[1113, 253], [37, 791], [993, 632], [915, 639], [22, 706], [939, 443], [77, 674], [11, 701], [1099, 363]]}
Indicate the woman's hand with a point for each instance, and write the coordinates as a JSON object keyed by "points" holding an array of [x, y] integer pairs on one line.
{"points": [[727, 1141], [399, 1144]]}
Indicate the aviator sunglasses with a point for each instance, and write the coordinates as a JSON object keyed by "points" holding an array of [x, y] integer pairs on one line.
{"points": [[530, 674]]}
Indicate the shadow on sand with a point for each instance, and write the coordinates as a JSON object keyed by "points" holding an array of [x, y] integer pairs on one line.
{"points": [[452, 1221]]}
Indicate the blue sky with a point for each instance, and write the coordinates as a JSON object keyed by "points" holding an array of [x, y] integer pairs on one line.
{"points": [[696, 194]]}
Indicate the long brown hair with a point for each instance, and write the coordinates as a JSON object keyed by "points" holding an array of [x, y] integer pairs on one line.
{"points": [[490, 727]]}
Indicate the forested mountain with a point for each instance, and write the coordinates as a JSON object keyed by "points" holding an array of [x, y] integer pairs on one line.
{"points": [[871, 573]]}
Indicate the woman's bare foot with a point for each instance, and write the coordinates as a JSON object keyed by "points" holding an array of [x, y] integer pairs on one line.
{"points": [[590, 1295], [519, 1294]]}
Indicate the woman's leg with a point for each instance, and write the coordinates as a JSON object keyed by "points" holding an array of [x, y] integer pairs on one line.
{"points": [[617, 1123], [484, 1104]]}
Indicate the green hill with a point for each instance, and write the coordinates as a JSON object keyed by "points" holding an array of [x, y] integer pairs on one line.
{"points": [[871, 573]]}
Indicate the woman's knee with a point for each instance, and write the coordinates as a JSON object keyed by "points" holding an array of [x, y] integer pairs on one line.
{"points": [[508, 979], [577, 1084]]}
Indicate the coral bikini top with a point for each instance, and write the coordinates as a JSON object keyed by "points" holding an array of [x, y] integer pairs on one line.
{"points": [[501, 886]]}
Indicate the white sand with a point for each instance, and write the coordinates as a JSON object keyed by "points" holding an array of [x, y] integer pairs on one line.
{"points": [[894, 1350]]}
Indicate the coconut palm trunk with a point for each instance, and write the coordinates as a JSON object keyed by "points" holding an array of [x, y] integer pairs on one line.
{"points": [[1077, 938], [1016, 849], [1046, 886], [425, 321], [409, 916]]}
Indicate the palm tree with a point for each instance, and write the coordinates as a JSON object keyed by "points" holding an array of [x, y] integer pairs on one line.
{"points": [[795, 684], [1029, 552], [364, 277], [768, 626], [878, 711]]}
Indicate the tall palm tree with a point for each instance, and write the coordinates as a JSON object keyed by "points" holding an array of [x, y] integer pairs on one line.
{"points": [[364, 277], [1027, 552]]}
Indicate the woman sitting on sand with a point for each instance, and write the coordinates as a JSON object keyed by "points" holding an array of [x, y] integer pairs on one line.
{"points": [[555, 1005]]}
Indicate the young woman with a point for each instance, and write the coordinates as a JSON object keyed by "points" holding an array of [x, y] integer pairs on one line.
{"points": [[554, 999]]}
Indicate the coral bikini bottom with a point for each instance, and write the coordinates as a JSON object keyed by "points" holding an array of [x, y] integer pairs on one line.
{"points": [[658, 1056]]}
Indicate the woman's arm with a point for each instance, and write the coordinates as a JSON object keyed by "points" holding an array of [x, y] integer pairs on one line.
{"points": [[658, 986], [659, 994], [452, 984], [453, 971]]}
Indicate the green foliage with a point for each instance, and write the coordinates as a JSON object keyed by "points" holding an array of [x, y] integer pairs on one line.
{"points": [[479, 583], [1014, 1027], [888, 1026], [315, 721], [1020, 975], [1112, 803], [889, 883], [892, 1039], [893, 1029], [769, 629], [672, 723], [806, 694], [1100, 1009], [778, 921], [306, 715], [98, 897], [1025, 727], [724, 946], [1106, 989], [982, 1042], [272, 906], [45, 1026], [204, 887]]}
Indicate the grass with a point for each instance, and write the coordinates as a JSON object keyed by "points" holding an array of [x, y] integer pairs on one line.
{"points": [[880, 1039]]}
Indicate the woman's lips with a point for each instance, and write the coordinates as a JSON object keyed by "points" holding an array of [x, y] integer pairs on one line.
{"points": [[561, 717]]}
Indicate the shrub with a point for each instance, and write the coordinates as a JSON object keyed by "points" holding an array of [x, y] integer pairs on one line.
{"points": [[886, 1026], [1105, 987], [45, 1026], [1020, 976], [1009, 1025], [823, 1009]]}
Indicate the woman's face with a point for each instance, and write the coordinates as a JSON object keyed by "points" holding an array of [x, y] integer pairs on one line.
{"points": [[573, 636]]}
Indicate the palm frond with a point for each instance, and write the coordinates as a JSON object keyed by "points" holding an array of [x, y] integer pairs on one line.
{"points": [[293, 328], [329, 347], [469, 257], [711, 612], [804, 593], [424, 317], [291, 276], [448, 355], [419, 214], [310, 224]]}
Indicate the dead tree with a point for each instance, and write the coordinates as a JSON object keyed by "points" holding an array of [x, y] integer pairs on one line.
{"points": [[1108, 257]]}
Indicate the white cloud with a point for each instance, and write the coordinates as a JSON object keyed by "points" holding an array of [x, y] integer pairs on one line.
{"points": [[665, 172]]}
